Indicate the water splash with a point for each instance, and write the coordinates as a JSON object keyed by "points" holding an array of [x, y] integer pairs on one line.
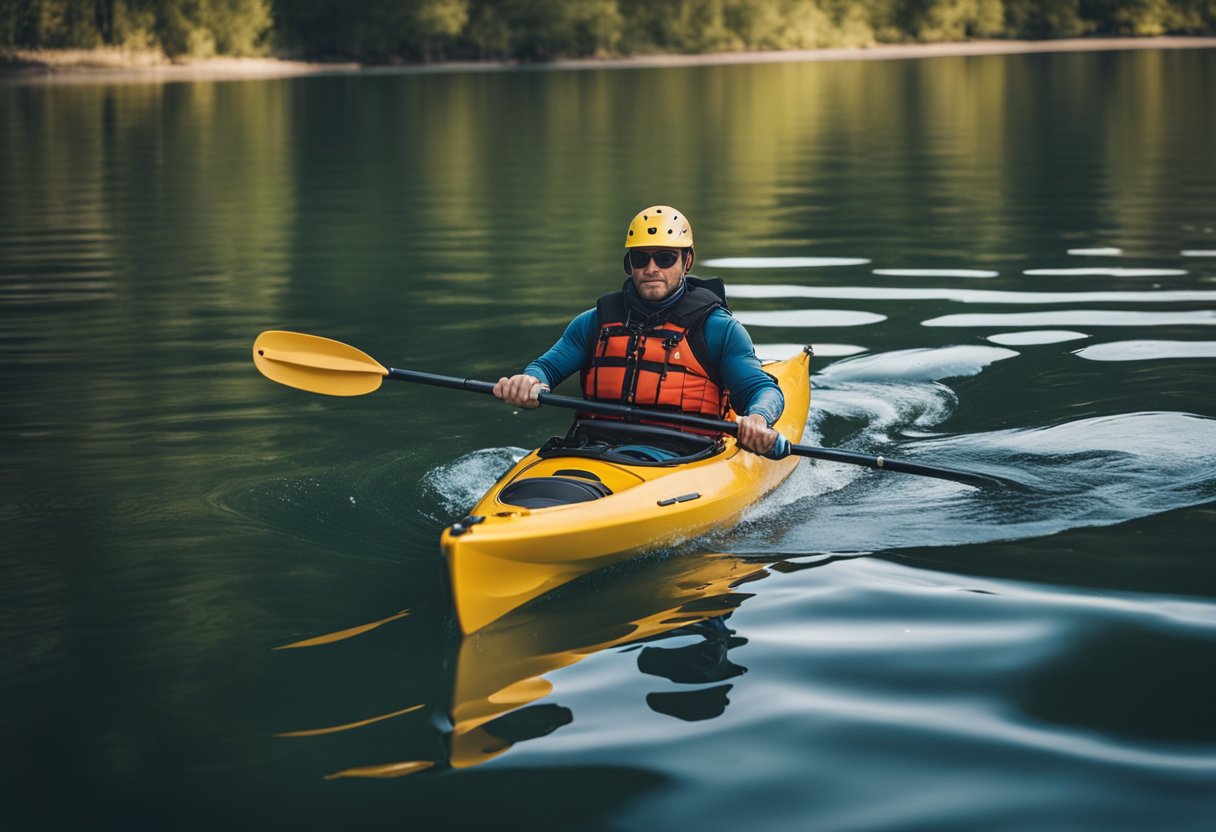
{"points": [[459, 484], [921, 364], [1089, 472]]}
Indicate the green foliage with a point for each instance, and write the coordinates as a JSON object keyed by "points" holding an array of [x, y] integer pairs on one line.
{"points": [[539, 30], [547, 29], [1045, 18], [196, 28]]}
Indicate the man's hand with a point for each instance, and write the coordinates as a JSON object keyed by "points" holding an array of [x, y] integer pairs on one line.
{"points": [[754, 434], [521, 390]]}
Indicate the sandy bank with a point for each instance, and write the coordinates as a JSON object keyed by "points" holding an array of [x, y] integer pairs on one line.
{"points": [[101, 66]]}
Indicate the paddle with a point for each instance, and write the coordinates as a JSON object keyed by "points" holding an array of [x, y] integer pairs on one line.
{"points": [[321, 365]]}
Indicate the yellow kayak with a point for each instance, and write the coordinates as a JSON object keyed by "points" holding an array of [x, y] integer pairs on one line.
{"points": [[555, 515]]}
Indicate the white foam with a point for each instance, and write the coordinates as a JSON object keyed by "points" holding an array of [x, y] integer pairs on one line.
{"points": [[783, 262], [808, 318], [460, 483], [837, 350], [1096, 252], [1079, 317], [1115, 271], [1147, 350], [1037, 336], [936, 273], [1198, 252], [1092, 472], [923, 364]]}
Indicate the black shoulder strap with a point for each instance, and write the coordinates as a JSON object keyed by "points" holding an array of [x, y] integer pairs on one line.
{"points": [[700, 298], [700, 301], [713, 284], [609, 307]]}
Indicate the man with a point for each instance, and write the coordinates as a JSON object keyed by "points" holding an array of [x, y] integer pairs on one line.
{"points": [[666, 340]]}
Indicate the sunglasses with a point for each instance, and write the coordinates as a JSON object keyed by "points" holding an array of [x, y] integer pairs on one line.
{"points": [[664, 259]]}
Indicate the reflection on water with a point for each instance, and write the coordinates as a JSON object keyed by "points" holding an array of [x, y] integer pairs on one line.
{"points": [[809, 318], [1079, 317], [1036, 336], [1114, 271], [499, 671], [171, 517], [1144, 350], [776, 352], [936, 273], [782, 262], [957, 295]]}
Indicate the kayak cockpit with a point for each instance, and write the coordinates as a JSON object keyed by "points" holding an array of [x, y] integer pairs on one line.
{"points": [[629, 443], [564, 487]]}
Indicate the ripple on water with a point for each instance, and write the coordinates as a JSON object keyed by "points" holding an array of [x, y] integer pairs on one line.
{"points": [[922, 364], [783, 262], [1146, 350], [976, 273], [1078, 317], [1113, 271], [1090, 472], [1035, 337], [776, 352], [811, 318], [778, 290], [1096, 252], [893, 660]]}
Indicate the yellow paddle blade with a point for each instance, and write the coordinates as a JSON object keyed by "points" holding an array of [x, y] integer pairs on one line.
{"points": [[315, 364]]}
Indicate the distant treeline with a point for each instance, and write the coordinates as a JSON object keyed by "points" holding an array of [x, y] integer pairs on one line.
{"points": [[538, 30]]}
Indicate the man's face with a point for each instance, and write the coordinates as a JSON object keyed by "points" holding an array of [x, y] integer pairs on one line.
{"points": [[653, 282]]}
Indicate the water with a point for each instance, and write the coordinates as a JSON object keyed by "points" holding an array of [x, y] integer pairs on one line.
{"points": [[1006, 264]]}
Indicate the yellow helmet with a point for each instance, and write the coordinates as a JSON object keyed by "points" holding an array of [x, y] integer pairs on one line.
{"points": [[659, 225]]}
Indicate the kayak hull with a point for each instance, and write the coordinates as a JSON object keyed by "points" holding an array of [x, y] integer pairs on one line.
{"points": [[516, 554]]}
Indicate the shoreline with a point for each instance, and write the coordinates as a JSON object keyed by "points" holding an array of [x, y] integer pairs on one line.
{"points": [[118, 66]]}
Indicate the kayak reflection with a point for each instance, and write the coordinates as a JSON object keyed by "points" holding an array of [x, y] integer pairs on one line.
{"points": [[500, 668], [498, 673]]}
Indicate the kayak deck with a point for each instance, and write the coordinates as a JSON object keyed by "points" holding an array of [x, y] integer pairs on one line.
{"points": [[506, 554]]}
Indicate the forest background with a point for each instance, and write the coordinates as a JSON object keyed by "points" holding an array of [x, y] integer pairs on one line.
{"points": [[410, 31]]}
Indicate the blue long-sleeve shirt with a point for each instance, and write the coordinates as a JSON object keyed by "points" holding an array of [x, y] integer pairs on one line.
{"points": [[730, 347]]}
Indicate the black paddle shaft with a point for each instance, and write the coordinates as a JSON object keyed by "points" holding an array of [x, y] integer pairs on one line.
{"points": [[638, 414]]}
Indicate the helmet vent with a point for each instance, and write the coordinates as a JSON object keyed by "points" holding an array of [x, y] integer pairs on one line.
{"points": [[652, 230]]}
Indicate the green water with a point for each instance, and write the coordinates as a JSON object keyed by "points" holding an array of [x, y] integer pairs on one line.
{"points": [[920, 655]]}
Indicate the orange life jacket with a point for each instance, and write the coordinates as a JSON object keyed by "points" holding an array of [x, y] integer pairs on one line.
{"points": [[659, 362]]}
